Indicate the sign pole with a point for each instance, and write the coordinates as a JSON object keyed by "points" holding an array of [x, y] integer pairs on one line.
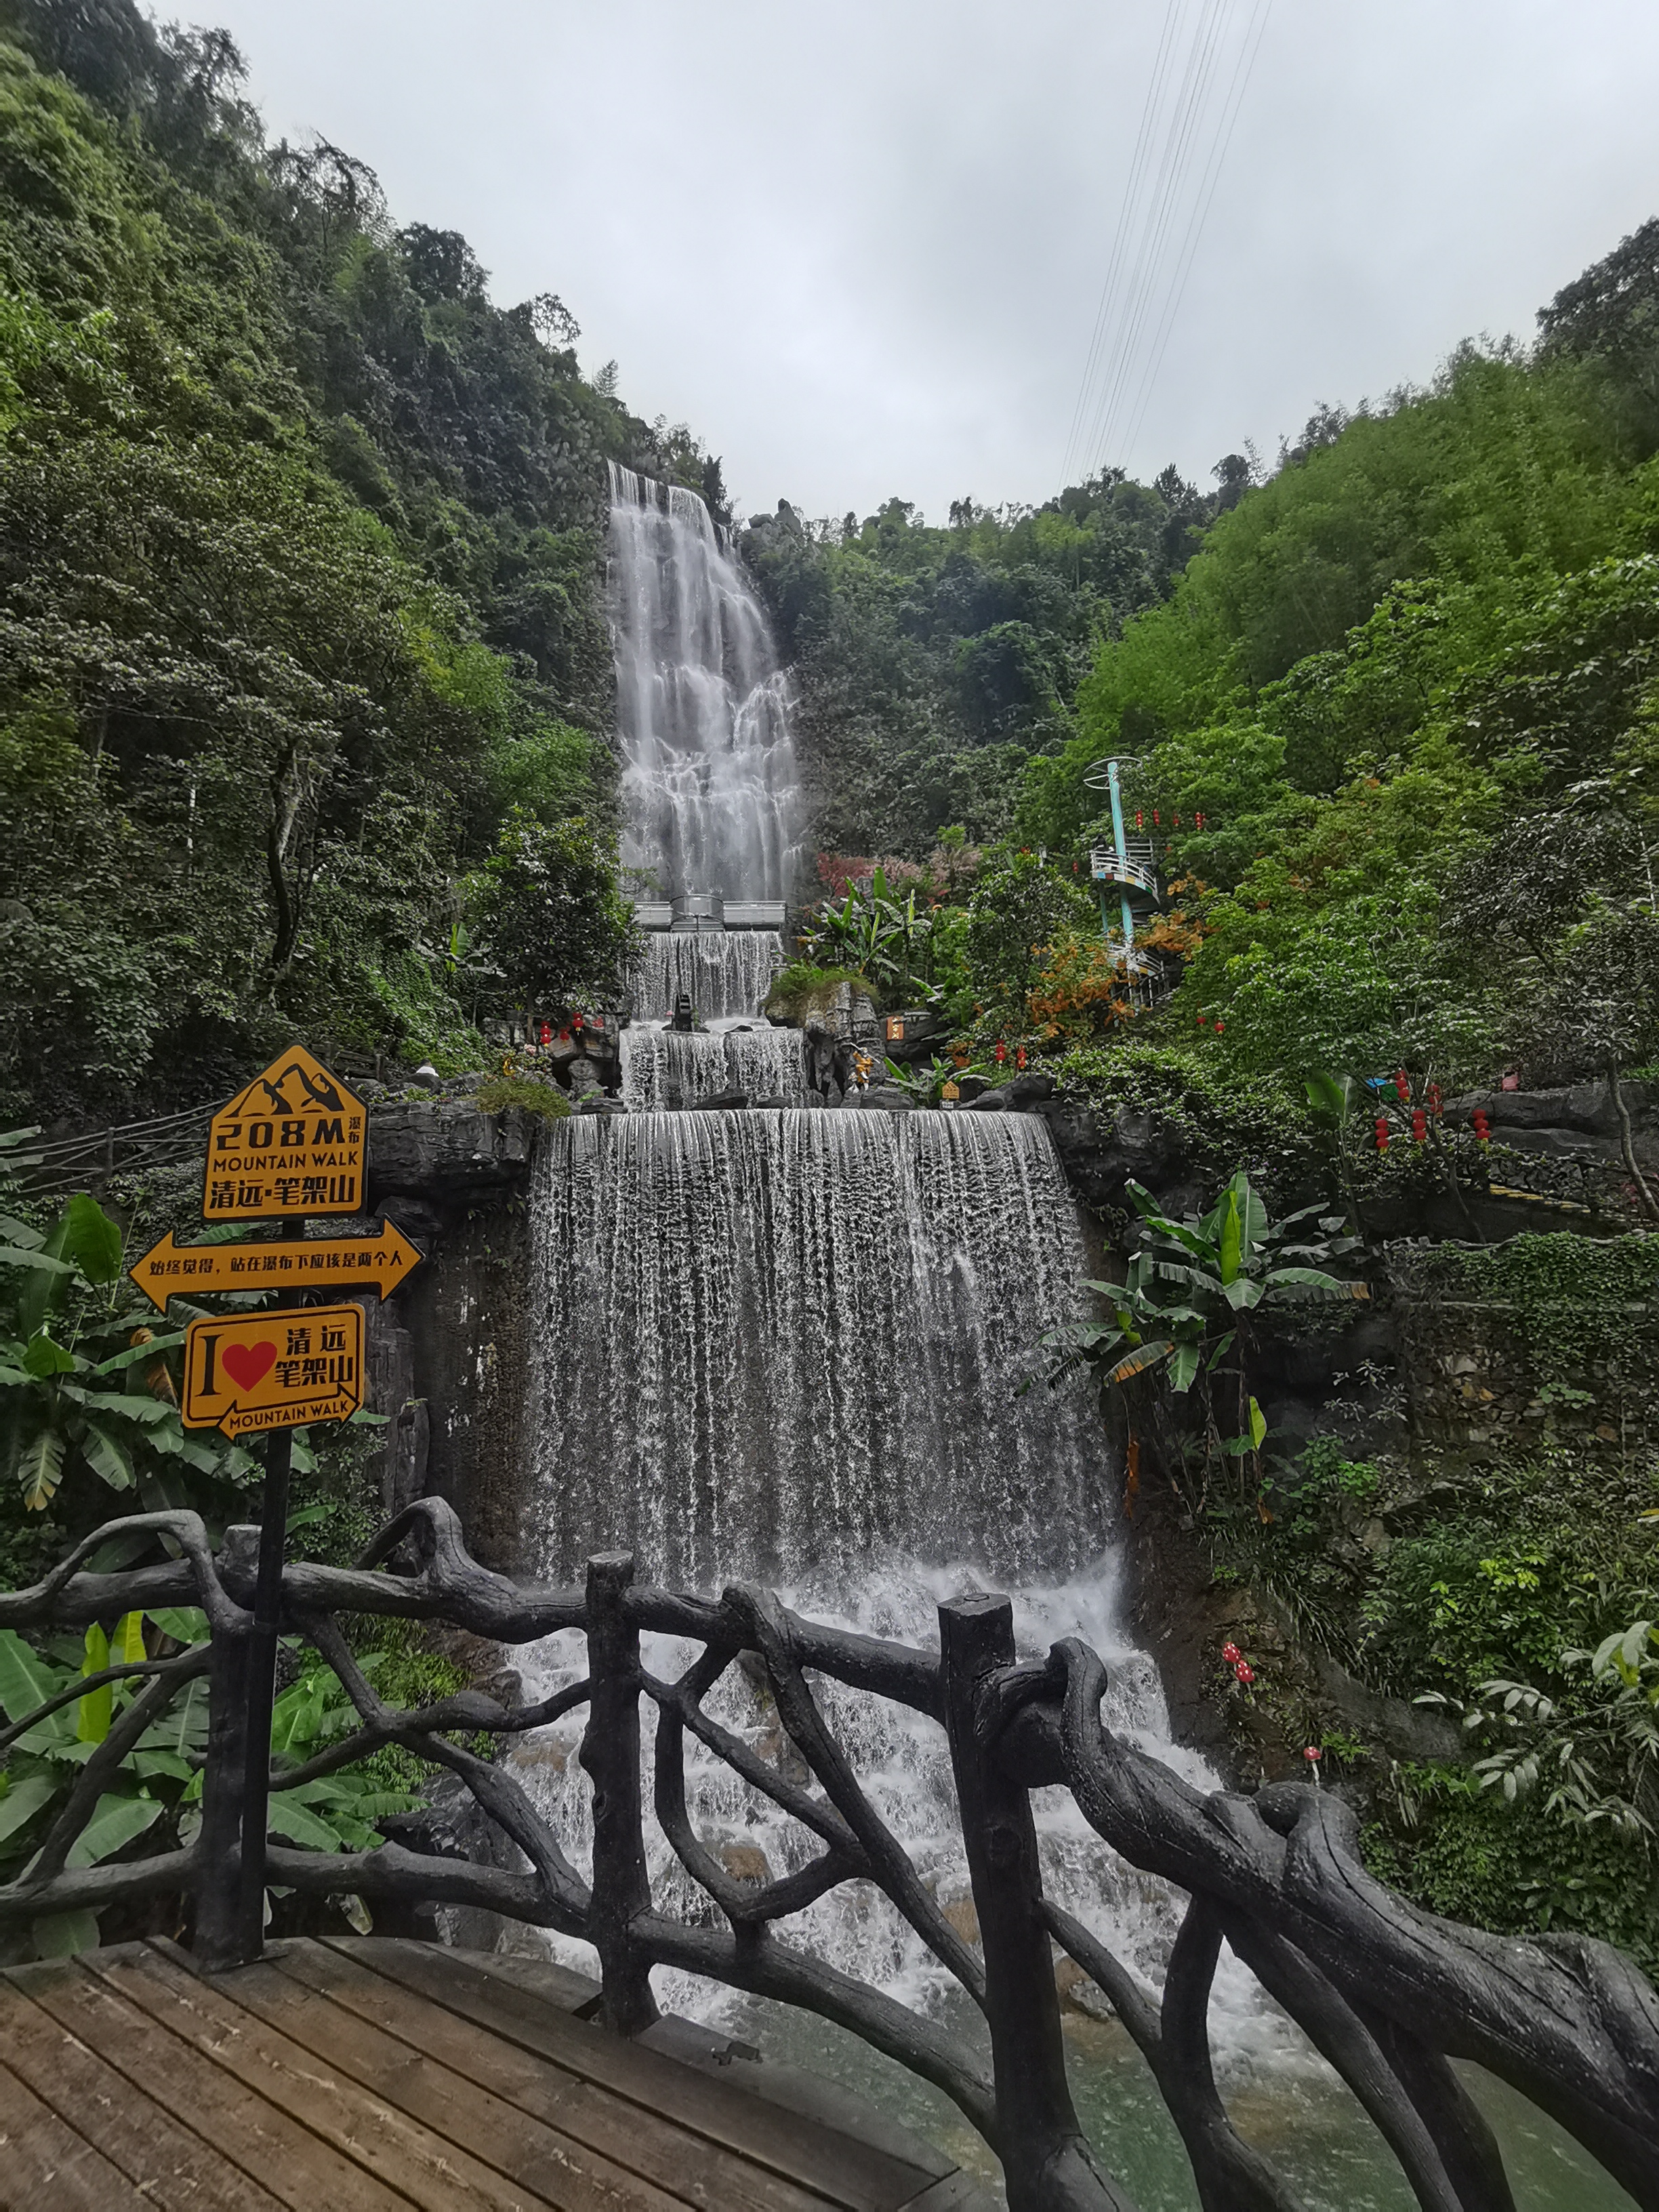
{"points": [[264, 1636], [292, 1144]]}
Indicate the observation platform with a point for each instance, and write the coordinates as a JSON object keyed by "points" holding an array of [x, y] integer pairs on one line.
{"points": [[370, 2075]]}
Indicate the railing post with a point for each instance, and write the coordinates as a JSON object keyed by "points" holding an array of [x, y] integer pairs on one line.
{"points": [[611, 1755], [1046, 2162], [217, 1937]]}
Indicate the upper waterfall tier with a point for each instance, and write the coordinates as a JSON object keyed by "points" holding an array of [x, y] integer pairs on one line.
{"points": [[726, 972], [663, 1071], [771, 1342], [711, 796]]}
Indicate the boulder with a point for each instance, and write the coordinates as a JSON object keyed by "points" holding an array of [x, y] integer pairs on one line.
{"points": [[722, 1102], [447, 1153], [887, 1098]]}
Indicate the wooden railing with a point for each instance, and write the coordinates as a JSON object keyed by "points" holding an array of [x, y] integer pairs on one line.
{"points": [[1390, 1995]]}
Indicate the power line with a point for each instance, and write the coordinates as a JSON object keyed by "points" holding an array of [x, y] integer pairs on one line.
{"points": [[1180, 148], [1243, 69], [1177, 158], [1143, 140]]}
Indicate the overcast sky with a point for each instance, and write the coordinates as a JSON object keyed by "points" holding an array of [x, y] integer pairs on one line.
{"points": [[859, 246]]}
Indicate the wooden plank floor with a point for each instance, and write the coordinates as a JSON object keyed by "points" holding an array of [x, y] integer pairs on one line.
{"points": [[371, 2074]]}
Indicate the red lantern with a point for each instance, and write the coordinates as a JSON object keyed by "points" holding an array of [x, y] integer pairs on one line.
{"points": [[1402, 1083], [1019, 1057], [544, 1034], [1219, 1026], [1155, 820], [1198, 821], [1176, 818], [1140, 819], [1482, 1126], [1382, 1134], [1203, 1022], [1419, 1125], [1434, 1098], [1002, 1052]]}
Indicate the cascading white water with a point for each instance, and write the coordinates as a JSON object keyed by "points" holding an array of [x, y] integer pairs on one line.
{"points": [[726, 972], [712, 799], [663, 1069], [771, 1342]]}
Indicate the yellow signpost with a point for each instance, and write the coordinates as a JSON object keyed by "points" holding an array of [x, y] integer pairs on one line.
{"points": [[172, 1270], [273, 1370], [295, 1141]]}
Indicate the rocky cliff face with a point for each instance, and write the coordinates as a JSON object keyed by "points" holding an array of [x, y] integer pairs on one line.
{"points": [[445, 1356]]}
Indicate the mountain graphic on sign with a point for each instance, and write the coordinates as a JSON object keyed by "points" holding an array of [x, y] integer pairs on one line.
{"points": [[289, 1086]]}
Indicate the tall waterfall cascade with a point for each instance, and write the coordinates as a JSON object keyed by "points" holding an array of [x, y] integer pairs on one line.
{"points": [[790, 1344], [663, 1071], [711, 795], [726, 972]]}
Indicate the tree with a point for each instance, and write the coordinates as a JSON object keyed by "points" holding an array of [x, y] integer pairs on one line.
{"points": [[1019, 911], [1596, 1003], [560, 931]]}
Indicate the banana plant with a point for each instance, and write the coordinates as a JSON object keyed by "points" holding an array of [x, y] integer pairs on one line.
{"points": [[84, 1379], [1186, 1306], [871, 931], [153, 1796], [926, 1085]]}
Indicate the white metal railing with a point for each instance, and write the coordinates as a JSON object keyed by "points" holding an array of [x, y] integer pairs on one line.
{"points": [[1108, 866]]}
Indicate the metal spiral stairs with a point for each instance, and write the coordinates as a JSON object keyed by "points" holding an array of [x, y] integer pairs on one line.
{"points": [[1127, 866]]}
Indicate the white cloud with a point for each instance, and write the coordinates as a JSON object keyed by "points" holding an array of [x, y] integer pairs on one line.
{"points": [[858, 247]]}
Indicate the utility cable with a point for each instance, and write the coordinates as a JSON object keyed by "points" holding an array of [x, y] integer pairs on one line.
{"points": [[1172, 14], [1184, 131], [1244, 69]]}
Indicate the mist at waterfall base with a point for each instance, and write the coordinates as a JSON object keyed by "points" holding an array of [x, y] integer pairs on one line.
{"points": [[785, 1345]]}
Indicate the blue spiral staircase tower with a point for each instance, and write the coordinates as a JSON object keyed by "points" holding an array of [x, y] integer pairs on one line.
{"points": [[1128, 866]]}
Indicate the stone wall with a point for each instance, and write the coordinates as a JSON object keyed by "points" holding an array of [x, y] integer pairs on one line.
{"points": [[1489, 1375], [446, 1355]]}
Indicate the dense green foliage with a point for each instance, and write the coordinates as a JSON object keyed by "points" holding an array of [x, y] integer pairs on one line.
{"points": [[935, 662], [1406, 686], [298, 545]]}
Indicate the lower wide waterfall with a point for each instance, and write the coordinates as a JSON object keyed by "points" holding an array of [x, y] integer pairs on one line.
{"points": [[777, 1343]]}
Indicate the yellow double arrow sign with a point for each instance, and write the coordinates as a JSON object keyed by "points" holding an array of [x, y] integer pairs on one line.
{"points": [[172, 1270]]}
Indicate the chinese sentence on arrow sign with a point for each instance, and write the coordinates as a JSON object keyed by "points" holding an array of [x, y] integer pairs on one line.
{"points": [[170, 1269]]}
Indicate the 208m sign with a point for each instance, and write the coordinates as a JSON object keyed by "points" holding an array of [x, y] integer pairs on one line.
{"points": [[293, 1142]]}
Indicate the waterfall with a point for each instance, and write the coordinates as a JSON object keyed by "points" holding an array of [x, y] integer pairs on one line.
{"points": [[725, 971], [663, 1070], [769, 1343], [711, 796], [785, 1345]]}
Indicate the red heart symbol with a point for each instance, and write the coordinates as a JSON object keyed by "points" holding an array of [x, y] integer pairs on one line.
{"points": [[245, 1363]]}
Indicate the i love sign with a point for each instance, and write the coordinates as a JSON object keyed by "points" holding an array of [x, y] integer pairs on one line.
{"points": [[273, 1370]]}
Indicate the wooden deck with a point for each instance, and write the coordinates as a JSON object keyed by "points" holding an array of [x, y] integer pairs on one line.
{"points": [[371, 2074]]}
